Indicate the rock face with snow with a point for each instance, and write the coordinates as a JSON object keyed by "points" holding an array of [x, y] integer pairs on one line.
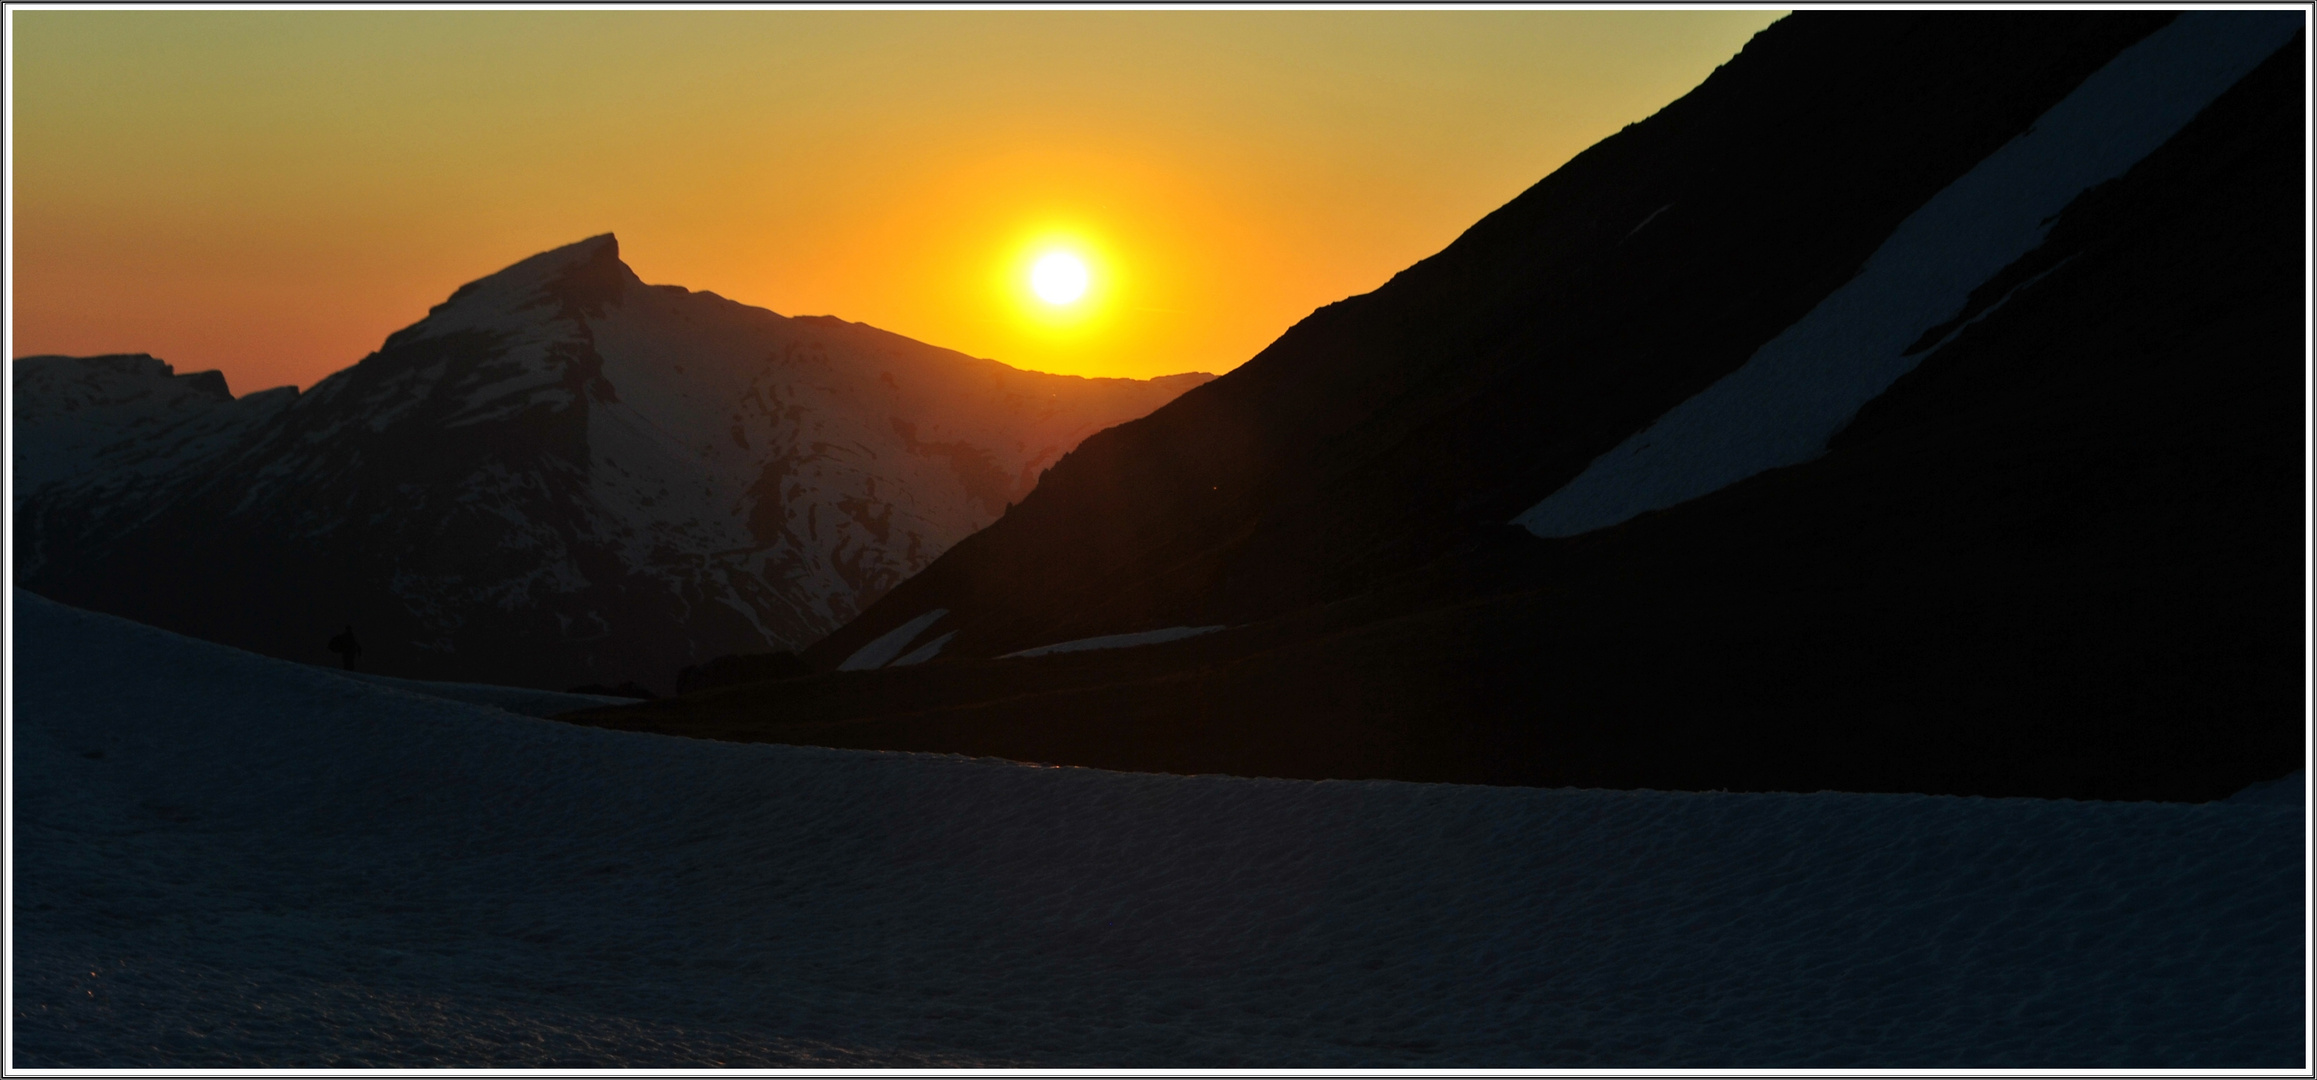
{"points": [[1913, 406], [560, 475], [124, 416]]}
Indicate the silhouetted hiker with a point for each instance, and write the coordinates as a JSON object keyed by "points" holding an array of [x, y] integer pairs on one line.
{"points": [[345, 645]]}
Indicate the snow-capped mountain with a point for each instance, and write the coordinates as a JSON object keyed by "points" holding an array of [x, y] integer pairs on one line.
{"points": [[560, 475], [1914, 406]]}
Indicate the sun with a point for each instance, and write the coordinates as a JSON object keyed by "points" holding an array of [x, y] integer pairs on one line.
{"points": [[1060, 282], [1058, 278]]}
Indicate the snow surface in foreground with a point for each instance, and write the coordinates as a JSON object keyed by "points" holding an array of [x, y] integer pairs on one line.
{"points": [[1798, 390], [270, 864]]}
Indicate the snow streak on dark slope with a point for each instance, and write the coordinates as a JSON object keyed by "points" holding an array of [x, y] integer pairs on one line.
{"points": [[1392, 427], [2062, 557], [561, 475], [225, 860], [1791, 397]]}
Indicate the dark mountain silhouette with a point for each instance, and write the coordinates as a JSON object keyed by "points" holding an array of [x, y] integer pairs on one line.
{"points": [[1915, 406], [561, 475]]}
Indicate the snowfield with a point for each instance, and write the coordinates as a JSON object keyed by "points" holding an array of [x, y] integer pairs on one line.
{"points": [[228, 860]]}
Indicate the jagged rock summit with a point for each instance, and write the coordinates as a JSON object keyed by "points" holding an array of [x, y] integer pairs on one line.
{"points": [[560, 475]]}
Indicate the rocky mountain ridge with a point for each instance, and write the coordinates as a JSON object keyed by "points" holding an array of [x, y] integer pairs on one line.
{"points": [[560, 475]]}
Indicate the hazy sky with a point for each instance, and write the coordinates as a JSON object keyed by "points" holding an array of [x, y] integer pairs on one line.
{"points": [[272, 193]]}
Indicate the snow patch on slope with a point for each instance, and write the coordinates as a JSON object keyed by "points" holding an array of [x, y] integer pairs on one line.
{"points": [[1116, 641], [925, 652], [1799, 389], [881, 651]]}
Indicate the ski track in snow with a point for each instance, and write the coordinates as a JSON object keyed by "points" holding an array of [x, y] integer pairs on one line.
{"points": [[1798, 390], [271, 864]]}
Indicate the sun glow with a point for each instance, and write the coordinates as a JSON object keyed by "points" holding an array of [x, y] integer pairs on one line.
{"points": [[1062, 284], [1059, 278]]}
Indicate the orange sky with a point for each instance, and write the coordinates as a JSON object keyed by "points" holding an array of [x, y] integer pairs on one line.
{"points": [[272, 193]]}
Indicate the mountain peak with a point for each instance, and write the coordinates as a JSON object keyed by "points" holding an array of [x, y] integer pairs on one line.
{"points": [[603, 247], [562, 475], [580, 278], [600, 251]]}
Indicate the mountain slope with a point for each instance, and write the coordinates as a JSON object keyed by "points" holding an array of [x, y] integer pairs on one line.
{"points": [[1387, 429], [565, 475], [2060, 557]]}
